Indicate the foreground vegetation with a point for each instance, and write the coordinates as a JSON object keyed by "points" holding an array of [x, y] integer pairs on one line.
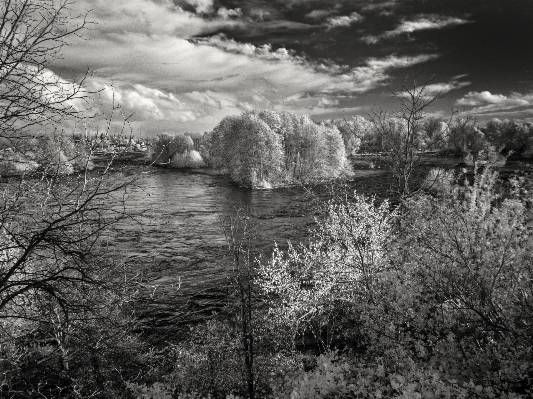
{"points": [[429, 300]]}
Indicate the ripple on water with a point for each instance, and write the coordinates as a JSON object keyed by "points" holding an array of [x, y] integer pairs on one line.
{"points": [[179, 238]]}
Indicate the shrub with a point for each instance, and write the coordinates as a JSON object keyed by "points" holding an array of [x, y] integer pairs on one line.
{"points": [[310, 286], [189, 159], [443, 297]]}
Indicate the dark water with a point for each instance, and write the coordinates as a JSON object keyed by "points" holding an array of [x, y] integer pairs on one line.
{"points": [[179, 244]]}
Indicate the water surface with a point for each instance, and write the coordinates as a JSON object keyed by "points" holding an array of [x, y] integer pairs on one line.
{"points": [[179, 242]]}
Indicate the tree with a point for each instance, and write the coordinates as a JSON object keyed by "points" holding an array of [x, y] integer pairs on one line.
{"points": [[277, 148], [248, 149], [59, 283], [32, 33], [183, 143], [464, 137], [336, 161], [353, 132], [436, 133], [164, 147], [400, 133], [61, 293], [239, 239], [221, 145], [510, 136]]}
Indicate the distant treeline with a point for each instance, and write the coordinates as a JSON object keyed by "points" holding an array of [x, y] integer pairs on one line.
{"points": [[269, 148], [458, 137], [54, 155]]}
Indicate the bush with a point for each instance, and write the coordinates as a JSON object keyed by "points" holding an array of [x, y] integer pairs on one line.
{"points": [[310, 286], [189, 159], [443, 297]]}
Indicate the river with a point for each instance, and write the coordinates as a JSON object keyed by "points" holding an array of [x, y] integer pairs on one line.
{"points": [[179, 248], [179, 244]]}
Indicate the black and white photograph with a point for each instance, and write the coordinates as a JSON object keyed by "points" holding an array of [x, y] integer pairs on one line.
{"points": [[266, 199]]}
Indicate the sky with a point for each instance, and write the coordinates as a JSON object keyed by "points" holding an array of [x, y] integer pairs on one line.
{"points": [[183, 65]]}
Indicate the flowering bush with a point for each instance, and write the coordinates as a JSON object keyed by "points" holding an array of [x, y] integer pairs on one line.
{"points": [[311, 286]]}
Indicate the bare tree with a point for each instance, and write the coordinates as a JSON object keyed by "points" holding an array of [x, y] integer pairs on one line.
{"points": [[61, 291], [239, 234], [399, 133], [32, 34], [57, 279]]}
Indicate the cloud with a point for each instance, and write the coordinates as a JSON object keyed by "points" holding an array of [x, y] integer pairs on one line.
{"points": [[164, 78], [317, 106], [437, 89], [443, 88], [224, 13], [259, 14], [522, 115], [145, 54], [258, 29], [264, 52], [261, 79], [423, 22], [380, 5], [200, 6], [152, 110], [338, 77], [474, 98], [113, 19], [486, 102], [343, 21], [375, 72], [318, 14], [139, 102]]}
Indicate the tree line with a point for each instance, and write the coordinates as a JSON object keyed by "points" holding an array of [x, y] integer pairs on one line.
{"points": [[457, 137], [272, 148]]}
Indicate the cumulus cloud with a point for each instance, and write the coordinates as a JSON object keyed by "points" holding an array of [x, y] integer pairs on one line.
{"points": [[144, 54], [486, 102], [343, 21], [139, 102], [423, 22], [486, 97], [154, 110]]}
